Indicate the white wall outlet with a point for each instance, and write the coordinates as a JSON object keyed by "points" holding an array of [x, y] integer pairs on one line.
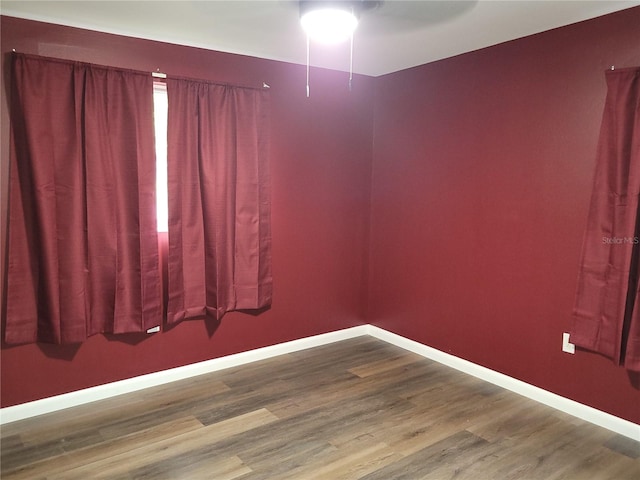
{"points": [[566, 345], [155, 329]]}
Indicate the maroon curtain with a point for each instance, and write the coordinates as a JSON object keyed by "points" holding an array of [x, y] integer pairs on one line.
{"points": [[219, 207], [83, 252], [607, 311]]}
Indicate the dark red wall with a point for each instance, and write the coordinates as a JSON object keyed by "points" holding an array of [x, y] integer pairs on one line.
{"points": [[321, 174], [482, 174]]}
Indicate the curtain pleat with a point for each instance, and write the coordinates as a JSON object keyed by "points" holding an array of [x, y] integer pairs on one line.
{"points": [[606, 318], [219, 206], [83, 251]]}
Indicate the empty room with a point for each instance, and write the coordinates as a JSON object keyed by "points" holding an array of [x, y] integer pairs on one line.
{"points": [[232, 249]]}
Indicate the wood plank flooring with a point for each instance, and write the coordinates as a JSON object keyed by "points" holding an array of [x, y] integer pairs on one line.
{"points": [[357, 409]]}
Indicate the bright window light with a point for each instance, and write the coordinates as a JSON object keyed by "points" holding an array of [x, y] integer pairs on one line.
{"points": [[329, 25], [160, 108]]}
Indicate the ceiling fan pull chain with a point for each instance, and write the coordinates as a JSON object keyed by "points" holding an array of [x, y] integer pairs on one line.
{"points": [[307, 65], [351, 63]]}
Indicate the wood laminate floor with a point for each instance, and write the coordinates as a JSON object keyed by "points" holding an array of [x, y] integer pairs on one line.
{"points": [[357, 409]]}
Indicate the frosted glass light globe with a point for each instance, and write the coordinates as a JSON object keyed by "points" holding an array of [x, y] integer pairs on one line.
{"points": [[329, 25]]}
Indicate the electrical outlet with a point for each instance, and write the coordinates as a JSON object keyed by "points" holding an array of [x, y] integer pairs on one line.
{"points": [[567, 346], [155, 329]]}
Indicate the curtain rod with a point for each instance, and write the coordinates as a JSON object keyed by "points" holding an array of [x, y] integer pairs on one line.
{"points": [[156, 74], [159, 74]]}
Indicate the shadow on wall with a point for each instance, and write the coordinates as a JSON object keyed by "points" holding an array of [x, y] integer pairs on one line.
{"points": [[67, 352]]}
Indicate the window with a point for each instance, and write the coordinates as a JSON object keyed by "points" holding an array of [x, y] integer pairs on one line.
{"points": [[112, 278], [160, 105]]}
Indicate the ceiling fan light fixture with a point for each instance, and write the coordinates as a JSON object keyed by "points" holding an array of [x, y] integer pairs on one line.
{"points": [[330, 24]]}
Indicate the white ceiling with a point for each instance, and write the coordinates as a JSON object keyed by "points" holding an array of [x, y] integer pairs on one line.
{"points": [[397, 35]]}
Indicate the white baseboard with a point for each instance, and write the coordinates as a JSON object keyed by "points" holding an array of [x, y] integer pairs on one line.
{"points": [[584, 412], [100, 392]]}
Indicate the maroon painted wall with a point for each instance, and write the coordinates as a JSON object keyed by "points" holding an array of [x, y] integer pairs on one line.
{"points": [[321, 173], [482, 174], [482, 171]]}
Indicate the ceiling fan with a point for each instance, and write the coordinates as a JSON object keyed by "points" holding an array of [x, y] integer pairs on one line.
{"points": [[335, 21], [332, 21], [391, 15]]}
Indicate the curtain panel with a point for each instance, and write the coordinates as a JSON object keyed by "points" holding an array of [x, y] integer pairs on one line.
{"points": [[82, 242], [219, 206], [606, 317]]}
